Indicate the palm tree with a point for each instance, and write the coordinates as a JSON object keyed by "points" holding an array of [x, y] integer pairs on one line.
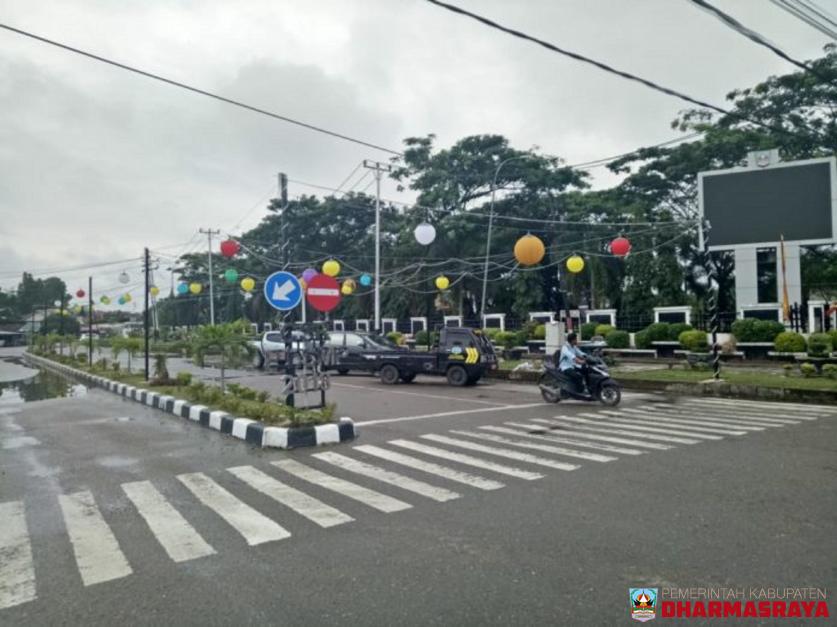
{"points": [[226, 340]]}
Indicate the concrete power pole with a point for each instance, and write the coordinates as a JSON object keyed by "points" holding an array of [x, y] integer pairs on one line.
{"points": [[209, 233], [378, 168]]}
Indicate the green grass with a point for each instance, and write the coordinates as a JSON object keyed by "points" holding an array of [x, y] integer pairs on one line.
{"points": [[739, 378]]}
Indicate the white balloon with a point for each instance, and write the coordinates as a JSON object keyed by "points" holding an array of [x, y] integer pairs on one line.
{"points": [[425, 233], [124, 278]]}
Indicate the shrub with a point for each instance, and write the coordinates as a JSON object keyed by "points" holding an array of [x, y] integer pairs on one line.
{"points": [[508, 339], [490, 333], [642, 339], [604, 329], [659, 332], [693, 340], [676, 329], [521, 337], [753, 330], [161, 371], [422, 336], [833, 334], [808, 370], [788, 369], [789, 342], [395, 337], [81, 358], [819, 345], [588, 330], [830, 371], [528, 331], [539, 333], [184, 378], [618, 339]]}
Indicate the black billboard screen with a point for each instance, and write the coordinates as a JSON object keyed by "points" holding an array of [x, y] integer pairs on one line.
{"points": [[760, 205]]}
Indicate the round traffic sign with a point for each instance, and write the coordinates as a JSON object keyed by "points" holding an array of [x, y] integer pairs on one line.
{"points": [[323, 293], [282, 291]]}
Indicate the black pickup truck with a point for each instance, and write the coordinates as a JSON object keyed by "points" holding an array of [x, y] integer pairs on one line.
{"points": [[462, 356]]}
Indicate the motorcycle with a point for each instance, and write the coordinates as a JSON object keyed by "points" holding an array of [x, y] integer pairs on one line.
{"points": [[555, 385]]}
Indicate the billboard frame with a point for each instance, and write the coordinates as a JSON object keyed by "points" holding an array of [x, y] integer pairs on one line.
{"points": [[832, 161]]}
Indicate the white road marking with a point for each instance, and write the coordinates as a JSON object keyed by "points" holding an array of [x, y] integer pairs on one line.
{"points": [[376, 500], [561, 420], [97, 552], [179, 539], [419, 394], [17, 572], [374, 472], [688, 419], [468, 460], [777, 408], [572, 431], [304, 505], [435, 469], [556, 438], [724, 415], [500, 452], [677, 423], [557, 450], [594, 419], [255, 527], [447, 413]]}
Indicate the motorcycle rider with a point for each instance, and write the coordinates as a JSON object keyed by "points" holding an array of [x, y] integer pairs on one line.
{"points": [[573, 362]]}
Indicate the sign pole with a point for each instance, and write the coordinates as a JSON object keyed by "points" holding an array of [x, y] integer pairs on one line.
{"points": [[378, 167]]}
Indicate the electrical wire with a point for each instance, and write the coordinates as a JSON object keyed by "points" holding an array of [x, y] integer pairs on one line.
{"points": [[801, 15], [196, 90]]}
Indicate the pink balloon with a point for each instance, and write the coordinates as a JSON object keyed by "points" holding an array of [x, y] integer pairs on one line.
{"points": [[309, 274]]}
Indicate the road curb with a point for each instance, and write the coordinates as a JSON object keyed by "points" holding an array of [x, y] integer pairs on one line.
{"points": [[247, 429]]}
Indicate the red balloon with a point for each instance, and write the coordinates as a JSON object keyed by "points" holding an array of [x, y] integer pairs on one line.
{"points": [[230, 248], [620, 247], [80, 293]]}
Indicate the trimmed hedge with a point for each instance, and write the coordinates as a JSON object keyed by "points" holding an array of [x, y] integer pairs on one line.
{"points": [[539, 333], [604, 329], [618, 339], [754, 330], [659, 332], [677, 328], [819, 345], [693, 340], [789, 342], [588, 330], [642, 339]]}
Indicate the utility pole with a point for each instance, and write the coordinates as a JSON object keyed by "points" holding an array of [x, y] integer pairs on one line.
{"points": [[378, 167], [283, 201], [89, 320], [209, 233], [147, 264]]}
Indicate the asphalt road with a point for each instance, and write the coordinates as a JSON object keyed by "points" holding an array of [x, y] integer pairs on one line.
{"points": [[113, 513]]}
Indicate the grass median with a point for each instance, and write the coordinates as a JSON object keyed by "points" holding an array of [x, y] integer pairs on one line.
{"points": [[763, 379]]}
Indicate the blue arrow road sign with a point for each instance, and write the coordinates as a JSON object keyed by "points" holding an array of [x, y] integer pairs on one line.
{"points": [[282, 291]]}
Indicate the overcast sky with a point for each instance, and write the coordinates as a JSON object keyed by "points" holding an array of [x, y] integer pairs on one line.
{"points": [[96, 163]]}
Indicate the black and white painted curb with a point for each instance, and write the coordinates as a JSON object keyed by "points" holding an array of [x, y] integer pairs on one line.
{"points": [[246, 429]]}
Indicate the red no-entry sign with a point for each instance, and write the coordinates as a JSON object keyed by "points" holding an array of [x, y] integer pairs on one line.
{"points": [[323, 293]]}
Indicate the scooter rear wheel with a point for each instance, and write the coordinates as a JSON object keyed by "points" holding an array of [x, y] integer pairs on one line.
{"points": [[610, 394], [550, 391]]}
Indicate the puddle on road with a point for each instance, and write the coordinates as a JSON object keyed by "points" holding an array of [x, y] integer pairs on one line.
{"points": [[43, 385]]}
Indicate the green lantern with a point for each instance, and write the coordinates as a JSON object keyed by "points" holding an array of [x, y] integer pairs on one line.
{"points": [[231, 275]]}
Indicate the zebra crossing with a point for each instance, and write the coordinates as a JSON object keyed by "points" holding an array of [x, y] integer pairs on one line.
{"points": [[386, 479]]}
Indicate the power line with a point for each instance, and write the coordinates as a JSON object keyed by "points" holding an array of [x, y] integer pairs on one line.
{"points": [[817, 11], [197, 90], [801, 15], [605, 160], [752, 35], [602, 66]]}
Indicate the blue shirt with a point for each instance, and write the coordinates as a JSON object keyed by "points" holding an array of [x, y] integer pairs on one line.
{"points": [[568, 356]]}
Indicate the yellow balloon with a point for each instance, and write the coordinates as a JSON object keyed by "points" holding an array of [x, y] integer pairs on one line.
{"points": [[247, 284], [442, 282], [575, 264], [195, 288], [347, 288], [154, 290], [529, 250], [127, 298], [331, 267]]}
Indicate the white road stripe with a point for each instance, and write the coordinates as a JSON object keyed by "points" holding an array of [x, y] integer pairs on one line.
{"points": [[722, 417], [789, 410], [419, 464], [376, 500], [393, 478], [572, 431], [754, 413], [594, 419], [557, 450], [670, 416], [446, 413], [555, 438], [97, 552], [500, 452], [631, 433], [468, 460], [256, 528], [17, 572], [666, 421], [179, 539], [304, 505], [388, 390]]}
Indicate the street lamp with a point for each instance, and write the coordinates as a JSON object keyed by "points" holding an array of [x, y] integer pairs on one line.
{"points": [[490, 225]]}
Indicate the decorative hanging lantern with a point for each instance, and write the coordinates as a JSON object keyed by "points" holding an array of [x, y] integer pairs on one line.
{"points": [[247, 284], [442, 282], [104, 300], [154, 290], [529, 250], [128, 298], [620, 247], [348, 287], [195, 288], [77, 309], [331, 268], [230, 248], [124, 278], [308, 274], [425, 233], [303, 284], [121, 300], [365, 280], [575, 264], [80, 294], [182, 288], [231, 275]]}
